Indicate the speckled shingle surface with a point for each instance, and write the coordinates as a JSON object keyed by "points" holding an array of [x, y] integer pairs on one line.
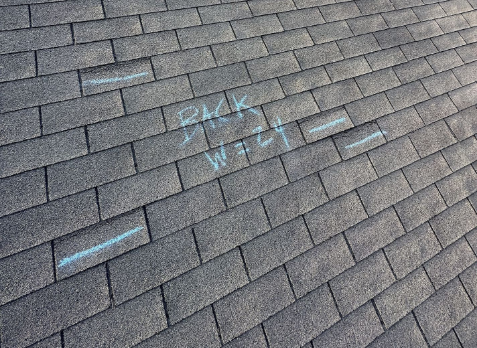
{"points": [[238, 174]]}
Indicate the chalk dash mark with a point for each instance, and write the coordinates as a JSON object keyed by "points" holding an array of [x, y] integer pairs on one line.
{"points": [[362, 141], [328, 125], [99, 247], [113, 79]]}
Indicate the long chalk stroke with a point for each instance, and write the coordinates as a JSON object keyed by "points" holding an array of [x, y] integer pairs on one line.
{"points": [[113, 79], [372, 136], [97, 248], [328, 125]]}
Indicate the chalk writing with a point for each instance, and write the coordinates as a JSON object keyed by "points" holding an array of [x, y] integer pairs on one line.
{"points": [[219, 159], [372, 136], [114, 79], [328, 125], [99, 247]]}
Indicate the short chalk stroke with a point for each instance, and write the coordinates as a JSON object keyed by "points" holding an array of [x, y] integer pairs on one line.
{"points": [[99, 247], [113, 79], [328, 125], [372, 136]]}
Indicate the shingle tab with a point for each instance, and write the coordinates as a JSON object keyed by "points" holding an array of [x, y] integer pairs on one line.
{"points": [[17, 66], [106, 29], [133, 47], [118, 8], [66, 12]]}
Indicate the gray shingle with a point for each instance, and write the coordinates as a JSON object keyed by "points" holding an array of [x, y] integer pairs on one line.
{"points": [[66, 12], [436, 108], [468, 278], [336, 12], [79, 112], [276, 247], [420, 207], [399, 17], [330, 32], [168, 147], [160, 21], [448, 41], [466, 73], [303, 320], [449, 340], [348, 68], [310, 159], [385, 58], [115, 76], [384, 192], [337, 94], [257, 93], [89, 171], [369, 108], [358, 140], [452, 23], [393, 37], [294, 199], [224, 12], [219, 79], [461, 154], [418, 49], [325, 124], [46, 222], [304, 80], [234, 227], [50, 342], [412, 250], [413, 70], [355, 330], [328, 220], [291, 108], [424, 30], [374, 6], [443, 310], [54, 308], [440, 83], [252, 338], [256, 26], [465, 330], [318, 55], [393, 156], [205, 35], [106, 29], [68, 58], [301, 18], [454, 222], [262, 7], [123, 195], [463, 124], [449, 263], [35, 38], [367, 24], [17, 17], [125, 129], [26, 272], [426, 171], [427, 12], [374, 233], [464, 97], [402, 297], [252, 304], [154, 94], [252, 182], [178, 4], [357, 285], [184, 209], [406, 3], [204, 285], [378, 81], [123, 326], [35, 153], [22, 191], [118, 8], [238, 51], [133, 47], [446, 60], [15, 95], [182, 62], [67, 249], [344, 177], [432, 138], [273, 66], [287, 41], [469, 35], [458, 186], [404, 333], [400, 123], [407, 95], [17, 66], [155, 263]]}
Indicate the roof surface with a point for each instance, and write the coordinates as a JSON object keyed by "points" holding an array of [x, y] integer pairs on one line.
{"points": [[226, 173]]}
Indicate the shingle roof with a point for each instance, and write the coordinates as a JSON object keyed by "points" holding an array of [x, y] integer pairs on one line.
{"points": [[227, 173]]}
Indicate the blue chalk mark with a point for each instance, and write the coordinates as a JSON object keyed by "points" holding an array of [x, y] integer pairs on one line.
{"points": [[99, 247], [240, 105], [241, 152], [219, 158], [279, 129], [206, 115], [114, 79], [188, 121], [259, 137], [328, 125], [372, 136]]}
